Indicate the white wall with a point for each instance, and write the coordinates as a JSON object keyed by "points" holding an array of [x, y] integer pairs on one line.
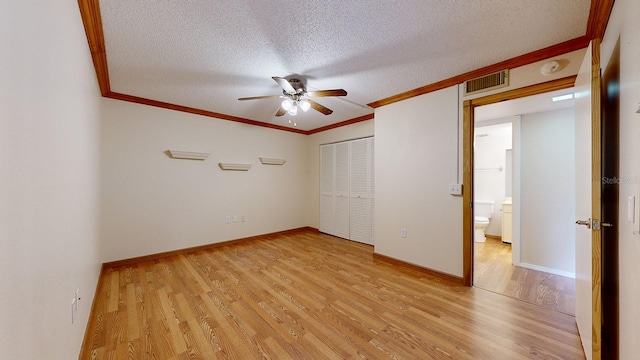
{"points": [[353, 131], [489, 182], [152, 203], [416, 159], [623, 24], [547, 229], [49, 145]]}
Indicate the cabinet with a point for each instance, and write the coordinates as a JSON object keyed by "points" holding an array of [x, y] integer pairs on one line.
{"points": [[347, 189]]}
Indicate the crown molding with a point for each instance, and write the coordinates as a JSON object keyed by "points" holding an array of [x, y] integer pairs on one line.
{"points": [[538, 55], [92, 22], [343, 123], [598, 18]]}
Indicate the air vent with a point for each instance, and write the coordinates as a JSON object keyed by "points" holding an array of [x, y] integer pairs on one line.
{"points": [[487, 82]]}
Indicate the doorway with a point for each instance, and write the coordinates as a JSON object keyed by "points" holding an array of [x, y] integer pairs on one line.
{"points": [[493, 163], [539, 269], [468, 134]]}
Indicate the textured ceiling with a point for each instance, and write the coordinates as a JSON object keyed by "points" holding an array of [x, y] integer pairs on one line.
{"points": [[206, 54]]}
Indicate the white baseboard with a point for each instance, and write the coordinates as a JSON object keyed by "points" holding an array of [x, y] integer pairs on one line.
{"points": [[547, 270]]}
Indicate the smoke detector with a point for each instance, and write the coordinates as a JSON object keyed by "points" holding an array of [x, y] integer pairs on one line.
{"points": [[550, 68]]}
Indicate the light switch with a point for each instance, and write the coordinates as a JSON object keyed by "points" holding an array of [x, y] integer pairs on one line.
{"points": [[455, 189], [631, 208]]}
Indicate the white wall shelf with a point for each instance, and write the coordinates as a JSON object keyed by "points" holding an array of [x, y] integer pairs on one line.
{"points": [[188, 155], [234, 167], [271, 161]]}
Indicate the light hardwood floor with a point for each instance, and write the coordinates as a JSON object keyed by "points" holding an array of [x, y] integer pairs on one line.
{"points": [[494, 271], [307, 295]]}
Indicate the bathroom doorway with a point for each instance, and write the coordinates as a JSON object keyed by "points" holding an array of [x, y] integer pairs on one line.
{"points": [[517, 258], [492, 175]]}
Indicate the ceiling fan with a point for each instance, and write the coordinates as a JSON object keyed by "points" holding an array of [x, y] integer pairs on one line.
{"points": [[296, 96]]}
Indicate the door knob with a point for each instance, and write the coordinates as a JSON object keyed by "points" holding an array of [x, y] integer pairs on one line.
{"points": [[586, 223]]}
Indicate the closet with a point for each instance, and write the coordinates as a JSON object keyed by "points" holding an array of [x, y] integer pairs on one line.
{"points": [[347, 189]]}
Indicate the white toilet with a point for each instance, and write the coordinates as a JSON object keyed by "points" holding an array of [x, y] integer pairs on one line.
{"points": [[482, 211]]}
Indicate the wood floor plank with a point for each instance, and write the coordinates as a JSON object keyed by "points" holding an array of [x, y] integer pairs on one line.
{"points": [[307, 295], [494, 271]]}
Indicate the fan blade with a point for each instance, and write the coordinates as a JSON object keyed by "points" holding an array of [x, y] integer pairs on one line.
{"points": [[284, 84], [262, 97], [281, 111], [321, 93], [318, 107]]}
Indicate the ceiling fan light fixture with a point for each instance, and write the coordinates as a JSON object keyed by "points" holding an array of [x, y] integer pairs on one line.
{"points": [[286, 104], [293, 111], [295, 96], [304, 105]]}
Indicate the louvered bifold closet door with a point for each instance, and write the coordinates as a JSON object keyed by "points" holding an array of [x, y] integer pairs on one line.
{"points": [[372, 187], [341, 193], [360, 191], [327, 180]]}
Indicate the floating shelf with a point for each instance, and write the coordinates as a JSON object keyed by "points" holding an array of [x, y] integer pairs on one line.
{"points": [[269, 161], [235, 167], [189, 155]]}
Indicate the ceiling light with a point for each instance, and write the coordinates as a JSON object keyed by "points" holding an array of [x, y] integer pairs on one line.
{"points": [[293, 111], [304, 105], [286, 104], [562, 97]]}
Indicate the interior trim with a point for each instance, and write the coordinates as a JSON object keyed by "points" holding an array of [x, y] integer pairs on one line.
{"points": [[553, 85], [538, 55], [467, 160], [598, 18], [341, 124], [424, 270], [151, 257], [92, 21], [85, 353], [467, 193], [191, 110]]}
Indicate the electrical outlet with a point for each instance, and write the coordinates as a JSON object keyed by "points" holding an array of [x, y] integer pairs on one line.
{"points": [[403, 233], [243, 219], [227, 219]]}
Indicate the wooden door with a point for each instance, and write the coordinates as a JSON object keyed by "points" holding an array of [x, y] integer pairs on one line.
{"points": [[611, 205], [588, 202]]}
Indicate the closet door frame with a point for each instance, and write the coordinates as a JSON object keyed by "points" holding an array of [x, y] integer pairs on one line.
{"points": [[338, 200]]}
